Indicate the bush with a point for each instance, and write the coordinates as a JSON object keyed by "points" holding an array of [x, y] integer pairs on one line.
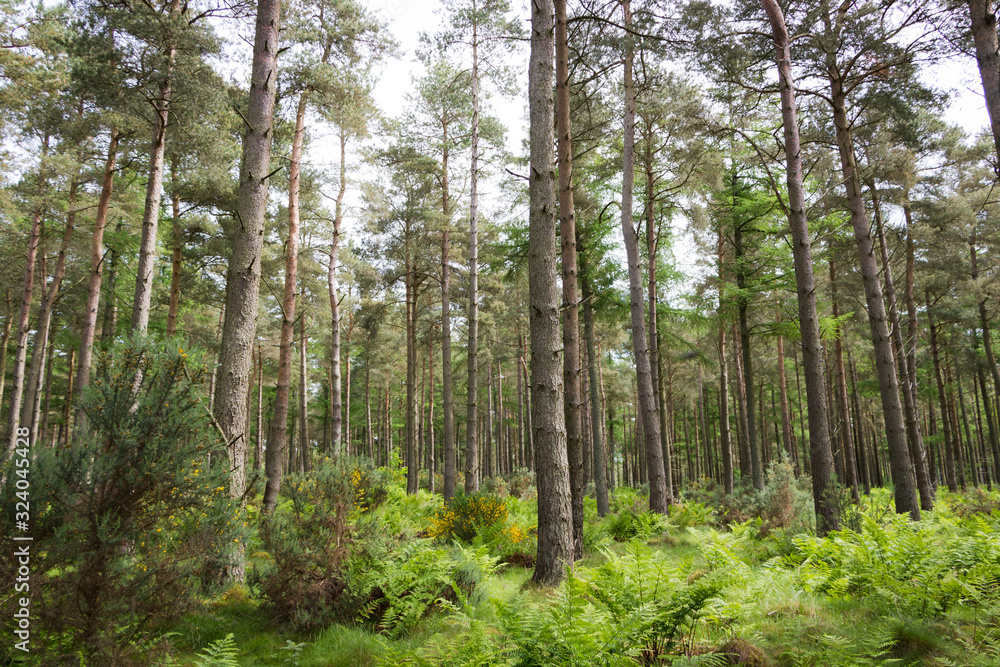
{"points": [[315, 538], [631, 525], [466, 515], [122, 520]]}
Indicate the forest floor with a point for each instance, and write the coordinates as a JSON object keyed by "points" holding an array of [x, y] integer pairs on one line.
{"points": [[675, 591]]}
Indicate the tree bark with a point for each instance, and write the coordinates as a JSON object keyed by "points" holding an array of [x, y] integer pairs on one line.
{"points": [[555, 518], [447, 396], [278, 440], [243, 279], [570, 304], [304, 463], [600, 462], [336, 393], [659, 494], [23, 321], [899, 455], [918, 454], [847, 439], [177, 236], [984, 36], [154, 188], [472, 415], [820, 448]]}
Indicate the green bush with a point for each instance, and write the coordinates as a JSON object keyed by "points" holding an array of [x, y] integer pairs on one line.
{"points": [[123, 520], [465, 515], [630, 524], [316, 536]]}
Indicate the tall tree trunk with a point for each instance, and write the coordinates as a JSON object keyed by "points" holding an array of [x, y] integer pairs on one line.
{"points": [[154, 187], [304, 463], [555, 517], [899, 455], [820, 448], [949, 435], [259, 446], [447, 397], [431, 455], [44, 317], [109, 324], [786, 415], [277, 442], [412, 459], [243, 278], [336, 402], [68, 402], [984, 35], [570, 304], [472, 414], [847, 439], [8, 321], [659, 494], [177, 236], [918, 454], [600, 462], [756, 469], [724, 427], [23, 321]]}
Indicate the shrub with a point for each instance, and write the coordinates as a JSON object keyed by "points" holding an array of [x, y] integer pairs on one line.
{"points": [[636, 525], [316, 536], [122, 520], [466, 515]]}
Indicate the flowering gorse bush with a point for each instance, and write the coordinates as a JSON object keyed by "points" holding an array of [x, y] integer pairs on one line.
{"points": [[466, 515]]}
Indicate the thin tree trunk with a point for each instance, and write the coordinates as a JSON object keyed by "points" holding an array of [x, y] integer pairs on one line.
{"points": [[278, 440], [336, 402], [259, 447], [177, 236], [304, 463], [659, 494], [899, 455], [555, 518], [154, 188], [821, 450], [600, 464], [23, 321], [68, 402], [472, 415], [570, 304], [110, 323], [412, 458], [847, 439], [8, 321], [724, 428]]}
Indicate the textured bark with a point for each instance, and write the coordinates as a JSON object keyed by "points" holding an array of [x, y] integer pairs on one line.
{"points": [[410, 444], [600, 462], [846, 436], [659, 494], [899, 455], [304, 463], [21, 356], [177, 239], [154, 189], [918, 453], [820, 448], [724, 427], [278, 440], [555, 518], [68, 400], [753, 446], [9, 320], [472, 414], [44, 321], [570, 304], [984, 35], [447, 397], [259, 445], [109, 323], [243, 279], [336, 402], [655, 362], [991, 362]]}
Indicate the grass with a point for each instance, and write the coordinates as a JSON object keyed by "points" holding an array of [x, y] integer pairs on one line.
{"points": [[762, 602]]}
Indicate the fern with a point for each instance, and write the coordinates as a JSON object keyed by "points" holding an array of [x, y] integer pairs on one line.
{"points": [[221, 653]]}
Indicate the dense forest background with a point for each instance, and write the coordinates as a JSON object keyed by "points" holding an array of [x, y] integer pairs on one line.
{"points": [[742, 262]]}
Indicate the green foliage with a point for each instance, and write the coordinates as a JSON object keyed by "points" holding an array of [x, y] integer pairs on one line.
{"points": [[221, 653], [315, 537], [403, 587], [122, 520], [636, 525], [466, 515]]}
